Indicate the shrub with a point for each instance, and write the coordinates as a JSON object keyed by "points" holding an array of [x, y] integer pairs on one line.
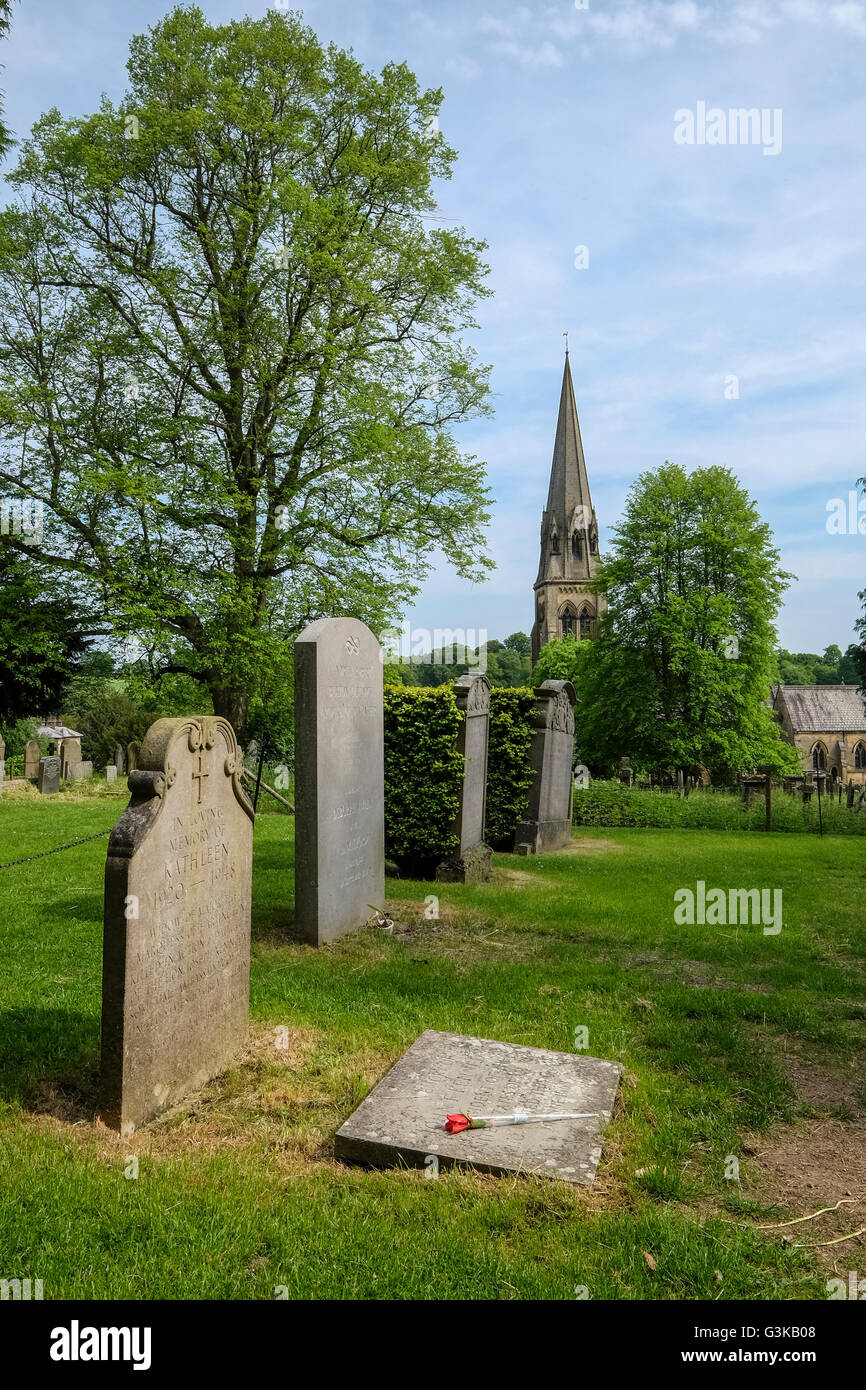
{"points": [[509, 771], [113, 719], [423, 774], [613, 804]]}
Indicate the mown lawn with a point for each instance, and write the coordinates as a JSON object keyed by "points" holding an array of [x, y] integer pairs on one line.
{"points": [[238, 1194]]}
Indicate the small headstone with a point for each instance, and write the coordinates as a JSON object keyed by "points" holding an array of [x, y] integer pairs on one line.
{"points": [[547, 824], [70, 752], [402, 1120], [32, 757], [48, 780], [119, 758], [626, 774], [471, 862], [339, 779], [79, 771], [176, 955], [111, 773], [133, 752], [850, 795]]}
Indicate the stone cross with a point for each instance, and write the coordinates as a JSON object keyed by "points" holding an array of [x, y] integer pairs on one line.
{"points": [[547, 823], [176, 953], [471, 862], [339, 779]]}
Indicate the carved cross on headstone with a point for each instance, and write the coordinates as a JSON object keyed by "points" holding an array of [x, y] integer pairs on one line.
{"points": [[199, 776]]}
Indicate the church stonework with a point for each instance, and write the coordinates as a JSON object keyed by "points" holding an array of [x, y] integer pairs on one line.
{"points": [[564, 602]]}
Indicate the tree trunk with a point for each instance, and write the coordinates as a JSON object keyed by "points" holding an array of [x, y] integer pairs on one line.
{"points": [[231, 704]]}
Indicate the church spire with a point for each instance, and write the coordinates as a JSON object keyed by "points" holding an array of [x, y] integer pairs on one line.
{"points": [[569, 535]]}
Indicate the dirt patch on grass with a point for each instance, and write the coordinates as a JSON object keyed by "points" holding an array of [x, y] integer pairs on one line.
{"points": [[806, 1167], [519, 878], [819, 1086], [585, 844]]}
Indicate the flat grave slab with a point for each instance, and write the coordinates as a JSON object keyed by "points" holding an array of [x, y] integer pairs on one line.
{"points": [[402, 1120]]}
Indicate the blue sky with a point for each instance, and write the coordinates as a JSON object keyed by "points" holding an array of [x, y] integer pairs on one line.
{"points": [[706, 261]]}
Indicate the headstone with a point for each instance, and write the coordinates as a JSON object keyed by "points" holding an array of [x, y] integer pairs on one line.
{"points": [[471, 860], [547, 824], [626, 775], [753, 788], [850, 795], [133, 752], [70, 752], [78, 771], [402, 1120], [111, 773], [2, 761], [119, 759], [48, 781], [339, 779], [176, 948], [32, 756]]}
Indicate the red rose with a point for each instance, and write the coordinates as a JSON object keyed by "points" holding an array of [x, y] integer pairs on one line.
{"points": [[455, 1123]]}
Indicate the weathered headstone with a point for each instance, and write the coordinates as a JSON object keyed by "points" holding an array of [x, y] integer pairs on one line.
{"points": [[48, 781], [32, 756], [111, 773], [176, 955], [547, 823], [119, 758], [78, 771], [2, 761], [626, 775], [339, 779], [70, 752], [133, 752], [753, 789], [471, 861], [850, 795], [402, 1120]]}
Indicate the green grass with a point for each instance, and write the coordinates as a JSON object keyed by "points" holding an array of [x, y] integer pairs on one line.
{"points": [[238, 1192]]}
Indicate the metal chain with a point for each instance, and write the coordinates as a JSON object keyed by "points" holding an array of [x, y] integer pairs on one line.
{"points": [[28, 859]]}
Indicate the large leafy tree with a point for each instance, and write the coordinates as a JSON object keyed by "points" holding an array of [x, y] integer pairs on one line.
{"points": [[230, 347], [682, 666], [42, 639], [5, 22]]}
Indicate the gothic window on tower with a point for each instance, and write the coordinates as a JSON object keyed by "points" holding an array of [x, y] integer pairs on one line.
{"points": [[585, 622], [860, 756], [576, 545], [568, 621]]}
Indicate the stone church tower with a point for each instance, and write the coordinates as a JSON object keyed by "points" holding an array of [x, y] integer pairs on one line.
{"points": [[569, 537]]}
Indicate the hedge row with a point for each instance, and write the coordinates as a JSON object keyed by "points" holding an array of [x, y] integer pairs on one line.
{"points": [[423, 771], [612, 804]]}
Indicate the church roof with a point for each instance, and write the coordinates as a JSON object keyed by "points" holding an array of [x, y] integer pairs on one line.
{"points": [[569, 485], [824, 708]]}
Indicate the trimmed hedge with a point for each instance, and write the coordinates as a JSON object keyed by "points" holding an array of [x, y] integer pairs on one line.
{"points": [[423, 774], [613, 804], [509, 772]]}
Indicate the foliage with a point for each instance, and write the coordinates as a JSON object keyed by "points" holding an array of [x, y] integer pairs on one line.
{"points": [[41, 642], [257, 361], [504, 663], [6, 141], [423, 773], [614, 804], [807, 668], [16, 735], [509, 772], [683, 663], [563, 659], [113, 719]]}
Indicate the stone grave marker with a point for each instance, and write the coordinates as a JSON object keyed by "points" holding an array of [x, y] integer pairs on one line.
{"points": [[48, 781], [78, 771], [547, 823], [402, 1120], [119, 759], [339, 779], [176, 952], [2, 761], [70, 752], [133, 752], [471, 861], [111, 773], [32, 757]]}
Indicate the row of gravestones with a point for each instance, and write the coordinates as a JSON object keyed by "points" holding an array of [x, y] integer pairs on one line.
{"points": [[68, 766], [178, 877]]}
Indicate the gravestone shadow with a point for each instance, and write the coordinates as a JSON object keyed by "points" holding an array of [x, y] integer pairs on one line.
{"points": [[49, 1061]]}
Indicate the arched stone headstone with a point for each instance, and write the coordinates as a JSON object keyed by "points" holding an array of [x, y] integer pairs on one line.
{"points": [[547, 824], [70, 754], [48, 781], [471, 863], [176, 954], [133, 752], [119, 759], [339, 779], [32, 756]]}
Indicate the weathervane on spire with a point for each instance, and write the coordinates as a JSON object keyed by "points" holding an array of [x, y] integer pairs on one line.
{"points": [[565, 336]]}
